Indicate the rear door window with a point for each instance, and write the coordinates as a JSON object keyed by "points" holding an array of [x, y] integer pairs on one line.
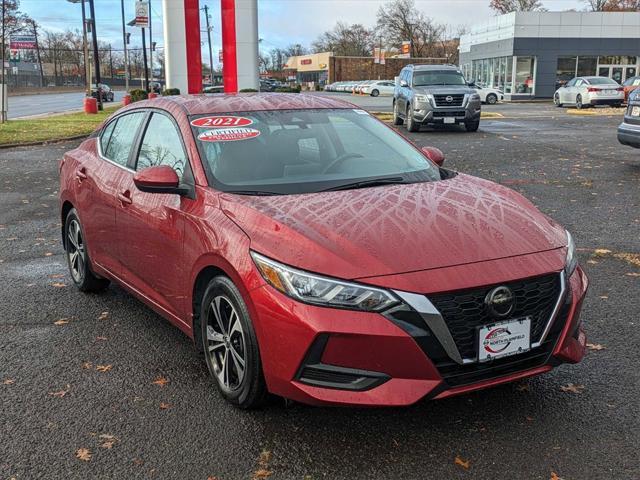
{"points": [[122, 137]]}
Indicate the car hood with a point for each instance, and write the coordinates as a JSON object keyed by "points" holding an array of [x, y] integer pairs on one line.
{"points": [[394, 229], [445, 89]]}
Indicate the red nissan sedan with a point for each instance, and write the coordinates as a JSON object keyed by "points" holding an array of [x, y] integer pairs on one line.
{"points": [[312, 252]]}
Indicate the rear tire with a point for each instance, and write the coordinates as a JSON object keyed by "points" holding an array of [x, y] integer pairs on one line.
{"points": [[412, 126], [396, 118], [78, 256], [579, 104], [375, 93], [617, 105], [492, 99], [472, 126], [230, 345]]}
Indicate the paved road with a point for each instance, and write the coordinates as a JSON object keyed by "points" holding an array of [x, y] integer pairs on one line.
{"points": [[55, 402], [27, 105]]}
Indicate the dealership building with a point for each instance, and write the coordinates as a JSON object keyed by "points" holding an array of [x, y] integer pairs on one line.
{"points": [[531, 54]]}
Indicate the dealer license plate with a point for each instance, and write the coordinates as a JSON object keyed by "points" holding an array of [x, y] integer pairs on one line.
{"points": [[449, 120], [635, 111], [504, 339], [609, 92]]}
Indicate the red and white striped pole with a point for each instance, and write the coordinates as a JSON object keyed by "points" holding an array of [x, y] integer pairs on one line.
{"points": [[183, 59]]}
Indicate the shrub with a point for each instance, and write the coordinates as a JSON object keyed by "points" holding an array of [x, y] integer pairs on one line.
{"points": [[138, 94], [170, 91], [247, 90], [288, 89]]}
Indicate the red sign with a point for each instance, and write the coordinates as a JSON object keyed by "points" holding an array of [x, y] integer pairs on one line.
{"points": [[22, 42], [228, 134], [306, 61], [221, 121]]}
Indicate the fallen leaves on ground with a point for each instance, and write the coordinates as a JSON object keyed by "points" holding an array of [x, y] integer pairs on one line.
{"points": [[523, 387], [165, 406], [596, 346], [263, 466], [103, 368], [463, 463], [554, 476], [160, 381], [61, 393], [58, 285], [87, 365], [83, 454], [101, 338], [103, 316], [108, 440], [8, 381], [62, 321], [573, 388]]}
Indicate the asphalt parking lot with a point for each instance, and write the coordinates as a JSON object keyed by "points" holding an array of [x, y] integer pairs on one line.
{"points": [[101, 387]]}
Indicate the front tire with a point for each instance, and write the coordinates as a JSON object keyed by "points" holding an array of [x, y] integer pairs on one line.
{"points": [[472, 126], [556, 100], [78, 256], [396, 118], [230, 345], [412, 126], [492, 99]]}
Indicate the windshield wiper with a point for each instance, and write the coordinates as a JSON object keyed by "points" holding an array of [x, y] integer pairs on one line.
{"points": [[252, 192], [376, 182]]}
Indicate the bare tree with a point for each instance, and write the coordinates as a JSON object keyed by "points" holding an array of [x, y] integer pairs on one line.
{"points": [[622, 6], [507, 6], [346, 40], [596, 5]]}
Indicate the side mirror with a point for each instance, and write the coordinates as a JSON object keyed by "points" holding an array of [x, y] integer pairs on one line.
{"points": [[158, 179], [434, 154], [472, 84], [403, 83]]}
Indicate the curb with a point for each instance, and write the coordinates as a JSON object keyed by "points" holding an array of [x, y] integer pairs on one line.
{"points": [[45, 142]]}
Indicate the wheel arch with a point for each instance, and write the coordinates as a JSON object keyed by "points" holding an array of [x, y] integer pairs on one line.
{"points": [[67, 206]]}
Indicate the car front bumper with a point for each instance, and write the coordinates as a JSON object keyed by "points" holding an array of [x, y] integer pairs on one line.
{"points": [[326, 356], [629, 134], [436, 116]]}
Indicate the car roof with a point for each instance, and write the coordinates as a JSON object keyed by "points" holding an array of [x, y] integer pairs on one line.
{"points": [[436, 67], [201, 104]]}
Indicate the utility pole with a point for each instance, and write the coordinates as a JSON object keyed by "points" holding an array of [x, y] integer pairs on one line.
{"points": [[144, 59], [35, 34], [85, 46], [150, 44], [96, 58], [127, 71], [3, 92], [111, 62], [206, 16]]}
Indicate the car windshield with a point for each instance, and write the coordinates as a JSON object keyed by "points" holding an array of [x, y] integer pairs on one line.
{"points": [[304, 151], [602, 81], [437, 77]]}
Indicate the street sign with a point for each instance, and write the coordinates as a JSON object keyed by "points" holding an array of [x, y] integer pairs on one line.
{"points": [[22, 42], [142, 14], [383, 52], [14, 56], [406, 49], [376, 55]]}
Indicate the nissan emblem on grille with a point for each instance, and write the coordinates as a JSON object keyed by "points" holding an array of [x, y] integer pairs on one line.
{"points": [[500, 301], [449, 99]]}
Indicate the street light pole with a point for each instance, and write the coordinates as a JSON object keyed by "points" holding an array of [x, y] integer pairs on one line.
{"points": [[206, 15], [35, 34], [3, 93], [96, 58], [150, 43], [126, 54]]}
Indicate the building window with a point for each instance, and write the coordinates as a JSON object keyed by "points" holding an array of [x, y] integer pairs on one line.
{"points": [[566, 70], [587, 66], [524, 82], [617, 60]]}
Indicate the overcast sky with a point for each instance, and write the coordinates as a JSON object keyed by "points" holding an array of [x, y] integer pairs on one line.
{"points": [[282, 22]]}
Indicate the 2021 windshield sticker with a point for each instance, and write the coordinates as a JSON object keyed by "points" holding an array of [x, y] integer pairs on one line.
{"points": [[228, 134], [221, 121]]}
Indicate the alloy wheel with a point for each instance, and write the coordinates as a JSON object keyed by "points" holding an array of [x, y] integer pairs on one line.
{"points": [[76, 254], [226, 345]]}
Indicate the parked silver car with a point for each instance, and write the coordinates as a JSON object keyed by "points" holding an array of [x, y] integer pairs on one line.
{"points": [[589, 91]]}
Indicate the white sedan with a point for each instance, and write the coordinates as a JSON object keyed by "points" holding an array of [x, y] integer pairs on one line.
{"points": [[379, 87], [589, 91], [488, 94]]}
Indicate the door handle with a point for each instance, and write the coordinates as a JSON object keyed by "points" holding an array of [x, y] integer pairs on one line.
{"points": [[81, 173], [125, 197]]}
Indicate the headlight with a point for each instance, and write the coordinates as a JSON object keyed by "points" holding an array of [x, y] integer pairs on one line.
{"points": [[475, 97], [423, 98], [572, 260], [309, 288]]}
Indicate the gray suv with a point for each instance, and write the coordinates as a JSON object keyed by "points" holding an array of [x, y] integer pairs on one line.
{"points": [[435, 95]]}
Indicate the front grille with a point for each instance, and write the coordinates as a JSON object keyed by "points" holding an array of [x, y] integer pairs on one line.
{"points": [[448, 114], [456, 100], [464, 311]]}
